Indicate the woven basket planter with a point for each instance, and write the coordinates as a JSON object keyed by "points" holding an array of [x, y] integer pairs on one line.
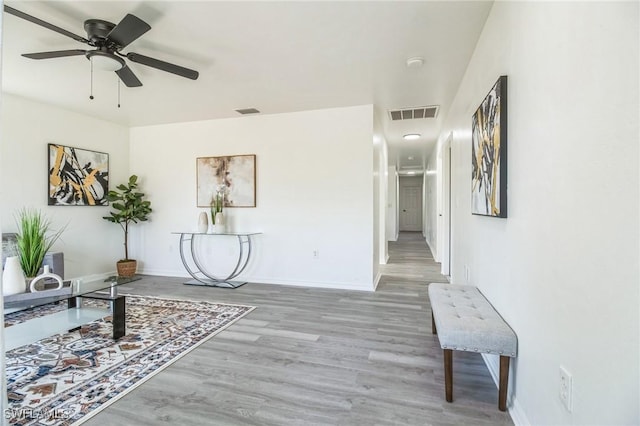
{"points": [[127, 268]]}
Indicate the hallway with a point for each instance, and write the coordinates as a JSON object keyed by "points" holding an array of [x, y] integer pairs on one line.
{"points": [[410, 259]]}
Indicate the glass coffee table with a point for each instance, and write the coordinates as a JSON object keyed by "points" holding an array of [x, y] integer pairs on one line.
{"points": [[74, 316]]}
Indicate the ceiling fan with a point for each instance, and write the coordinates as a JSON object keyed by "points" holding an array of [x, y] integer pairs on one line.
{"points": [[108, 39]]}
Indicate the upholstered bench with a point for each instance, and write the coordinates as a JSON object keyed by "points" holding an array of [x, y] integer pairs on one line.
{"points": [[464, 320]]}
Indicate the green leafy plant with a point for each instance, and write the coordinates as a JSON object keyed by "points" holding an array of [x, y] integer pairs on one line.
{"points": [[130, 207], [34, 239]]}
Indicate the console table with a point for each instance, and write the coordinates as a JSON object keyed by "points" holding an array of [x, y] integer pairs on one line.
{"points": [[202, 276]]}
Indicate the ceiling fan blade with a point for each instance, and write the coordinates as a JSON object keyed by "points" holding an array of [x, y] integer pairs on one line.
{"points": [[42, 23], [164, 66], [129, 29], [128, 77], [55, 54]]}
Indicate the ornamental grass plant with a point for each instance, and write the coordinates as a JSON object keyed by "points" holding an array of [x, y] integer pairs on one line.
{"points": [[34, 239]]}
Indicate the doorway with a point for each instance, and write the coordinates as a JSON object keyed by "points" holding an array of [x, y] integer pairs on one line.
{"points": [[411, 203]]}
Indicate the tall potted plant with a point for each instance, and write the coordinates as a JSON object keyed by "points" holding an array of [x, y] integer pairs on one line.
{"points": [[130, 207]]}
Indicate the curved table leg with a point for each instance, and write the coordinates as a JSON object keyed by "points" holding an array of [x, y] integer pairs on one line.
{"points": [[204, 277]]}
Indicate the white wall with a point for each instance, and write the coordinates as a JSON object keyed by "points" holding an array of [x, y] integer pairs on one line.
{"points": [[563, 268], [314, 192], [380, 187], [90, 244]]}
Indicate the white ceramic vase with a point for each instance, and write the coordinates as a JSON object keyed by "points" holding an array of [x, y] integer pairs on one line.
{"points": [[203, 222], [46, 274], [13, 279]]}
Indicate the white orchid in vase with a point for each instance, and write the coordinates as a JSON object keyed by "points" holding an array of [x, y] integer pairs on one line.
{"points": [[217, 204]]}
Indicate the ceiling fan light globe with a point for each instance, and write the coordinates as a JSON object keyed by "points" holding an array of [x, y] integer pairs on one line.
{"points": [[105, 61]]}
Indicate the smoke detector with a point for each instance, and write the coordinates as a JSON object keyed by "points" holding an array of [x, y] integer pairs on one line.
{"points": [[415, 62]]}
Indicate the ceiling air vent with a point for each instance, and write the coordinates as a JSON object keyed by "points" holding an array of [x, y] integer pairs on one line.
{"points": [[245, 111], [412, 113]]}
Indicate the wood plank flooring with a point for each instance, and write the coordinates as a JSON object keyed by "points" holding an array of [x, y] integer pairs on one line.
{"points": [[317, 357]]}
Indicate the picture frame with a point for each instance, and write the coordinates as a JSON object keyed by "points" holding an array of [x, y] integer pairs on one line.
{"points": [[489, 153], [232, 175], [77, 177]]}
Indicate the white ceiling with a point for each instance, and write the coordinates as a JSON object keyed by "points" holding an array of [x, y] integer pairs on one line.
{"points": [[275, 56]]}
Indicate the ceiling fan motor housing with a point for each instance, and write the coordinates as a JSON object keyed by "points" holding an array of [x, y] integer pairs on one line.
{"points": [[98, 30]]}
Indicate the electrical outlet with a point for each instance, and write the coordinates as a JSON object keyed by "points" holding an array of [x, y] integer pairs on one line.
{"points": [[565, 388], [316, 254]]}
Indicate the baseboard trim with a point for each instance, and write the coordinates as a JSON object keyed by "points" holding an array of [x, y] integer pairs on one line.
{"points": [[259, 280], [516, 412], [433, 252], [377, 281]]}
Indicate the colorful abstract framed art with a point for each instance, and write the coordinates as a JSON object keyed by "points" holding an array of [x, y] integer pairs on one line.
{"points": [[77, 177], [234, 175], [489, 153]]}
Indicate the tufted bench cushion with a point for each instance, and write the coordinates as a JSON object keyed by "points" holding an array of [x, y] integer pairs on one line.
{"points": [[465, 321]]}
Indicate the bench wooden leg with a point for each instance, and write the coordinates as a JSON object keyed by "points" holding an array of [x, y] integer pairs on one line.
{"points": [[504, 382], [448, 374], [433, 324]]}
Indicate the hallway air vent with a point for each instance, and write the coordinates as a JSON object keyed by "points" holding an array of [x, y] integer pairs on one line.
{"points": [[412, 113]]}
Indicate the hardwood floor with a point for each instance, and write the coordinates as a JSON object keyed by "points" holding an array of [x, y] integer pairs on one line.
{"points": [[317, 357]]}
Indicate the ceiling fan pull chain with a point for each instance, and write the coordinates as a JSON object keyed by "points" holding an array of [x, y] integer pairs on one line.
{"points": [[118, 93], [91, 84]]}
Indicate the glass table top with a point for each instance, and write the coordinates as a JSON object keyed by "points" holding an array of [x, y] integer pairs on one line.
{"points": [[77, 288]]}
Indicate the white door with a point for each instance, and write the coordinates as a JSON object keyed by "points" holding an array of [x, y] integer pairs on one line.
{"points": [[410, 208]]}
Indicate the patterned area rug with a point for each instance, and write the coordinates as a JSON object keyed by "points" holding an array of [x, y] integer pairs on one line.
{"points": [[67, 378]]}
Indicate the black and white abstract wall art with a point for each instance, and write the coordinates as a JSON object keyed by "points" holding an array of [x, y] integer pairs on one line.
{"points": [[77, 177], [232, 176], [489, 153]]}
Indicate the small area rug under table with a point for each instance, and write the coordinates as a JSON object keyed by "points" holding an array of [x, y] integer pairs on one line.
{"points": [[69, 377]]}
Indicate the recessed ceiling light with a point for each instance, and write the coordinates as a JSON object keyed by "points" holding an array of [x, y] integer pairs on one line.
{"points": [[409, 158], [411, 136]]}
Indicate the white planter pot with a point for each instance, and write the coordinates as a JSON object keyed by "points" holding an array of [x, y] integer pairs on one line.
{"points": [[220, 224]]}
